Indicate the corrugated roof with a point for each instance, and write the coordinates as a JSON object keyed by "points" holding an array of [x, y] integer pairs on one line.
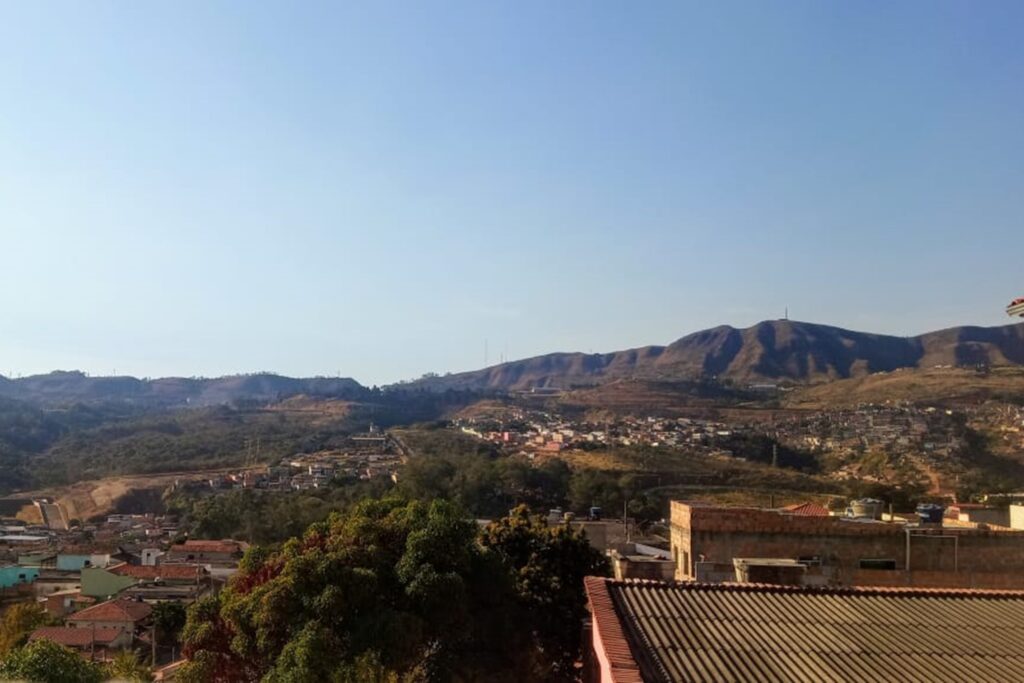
{"points": [[741, 632]]}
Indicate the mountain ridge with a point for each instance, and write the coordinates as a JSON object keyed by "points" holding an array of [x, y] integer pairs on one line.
{"points": [[772, 350], [64, 386]]}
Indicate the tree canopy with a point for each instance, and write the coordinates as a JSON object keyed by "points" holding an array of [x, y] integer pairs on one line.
{"points": [[44, 661], [394, 590]]}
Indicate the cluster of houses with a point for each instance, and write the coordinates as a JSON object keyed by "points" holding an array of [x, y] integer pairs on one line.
{"points": [[100, 585], [929, 435], [364, 457], [532, 431]]}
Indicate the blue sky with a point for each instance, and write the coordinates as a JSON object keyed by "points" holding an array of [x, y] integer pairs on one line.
{"points": [[199, 188]]}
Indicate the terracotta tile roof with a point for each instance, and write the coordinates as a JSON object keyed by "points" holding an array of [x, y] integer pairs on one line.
{"points": [[76, 637], [607, 628], [718, 632], [182, 572], [808, 509], [208, 547], [114, 610]]}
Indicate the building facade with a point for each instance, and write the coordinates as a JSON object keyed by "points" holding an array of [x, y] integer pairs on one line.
{"points": [[707, 540]]}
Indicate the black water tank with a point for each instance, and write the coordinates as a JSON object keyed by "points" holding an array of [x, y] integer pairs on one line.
{"points": [[930, 513]]}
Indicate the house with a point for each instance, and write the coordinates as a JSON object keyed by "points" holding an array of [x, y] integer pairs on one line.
{"points": [[649, 631], [218, 553], [164, 573], [14, 575], [127, 615], [52, 581], [96, 643], [62, 603]]}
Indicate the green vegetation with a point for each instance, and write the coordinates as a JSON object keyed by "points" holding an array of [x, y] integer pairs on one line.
{"points": [[54, 446], [47, 662], [264, 516], [19, 620], [400, 591], [182, 440], [127, 666]]}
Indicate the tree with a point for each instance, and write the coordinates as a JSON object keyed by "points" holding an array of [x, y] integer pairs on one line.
{"points": [[18, 622], [548, 565], [44, 661], [169, 619], [397, 590], [128, 667]]}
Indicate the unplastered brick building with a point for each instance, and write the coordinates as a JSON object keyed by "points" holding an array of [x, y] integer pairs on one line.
{"points": [[708, 543]]}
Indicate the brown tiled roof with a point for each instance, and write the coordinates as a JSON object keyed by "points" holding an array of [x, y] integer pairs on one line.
{"points": [[723, 632], [207, 547], [164, 571], [808, 509], [76, 637], [114, 610]]}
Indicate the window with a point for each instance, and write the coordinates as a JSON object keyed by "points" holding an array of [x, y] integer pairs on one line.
{"points": [[809, 560], [878, 564], [686, 563]]}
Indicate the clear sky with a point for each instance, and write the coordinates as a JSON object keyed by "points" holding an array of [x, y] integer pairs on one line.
{"points": [[376, 188]]}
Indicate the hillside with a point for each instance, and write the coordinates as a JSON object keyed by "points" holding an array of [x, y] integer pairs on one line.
{"points": [[942, 385], [73, 387], [775, 351]]}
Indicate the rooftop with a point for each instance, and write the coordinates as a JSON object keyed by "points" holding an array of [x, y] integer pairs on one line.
{"points": [[114, 610], [654, 631], [807, 509], [76, 637], [189, 572], [226, 546]]}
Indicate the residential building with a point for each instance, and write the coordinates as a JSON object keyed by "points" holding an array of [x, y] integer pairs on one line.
{"points": [[217, 553], [706, 540], [93, 643], [127, 615]]}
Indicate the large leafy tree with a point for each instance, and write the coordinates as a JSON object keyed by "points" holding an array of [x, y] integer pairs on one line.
{"points": [[44, 661], [396, 591], [548, 564]]}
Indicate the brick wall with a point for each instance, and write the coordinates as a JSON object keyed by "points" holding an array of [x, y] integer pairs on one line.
{"points": [[719, 535]]}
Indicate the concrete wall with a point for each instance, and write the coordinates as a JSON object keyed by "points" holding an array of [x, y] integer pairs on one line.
{"points": [[1000, 516], [1017, 516]]}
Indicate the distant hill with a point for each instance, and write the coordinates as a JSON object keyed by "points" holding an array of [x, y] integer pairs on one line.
{"points": [[775, 350], [64, 387]]}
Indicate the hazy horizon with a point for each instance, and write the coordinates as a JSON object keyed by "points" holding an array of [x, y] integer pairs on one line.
{"points": [[204, 190]]}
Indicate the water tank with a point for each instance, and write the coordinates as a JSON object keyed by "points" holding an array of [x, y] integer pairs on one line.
{"points": [[930, 513], [866, 508]]}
